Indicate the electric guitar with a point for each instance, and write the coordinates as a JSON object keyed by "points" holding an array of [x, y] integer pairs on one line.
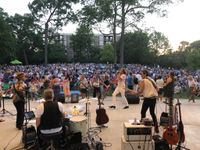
{"points": [[170, 134], [180, 129], [102, 117]]}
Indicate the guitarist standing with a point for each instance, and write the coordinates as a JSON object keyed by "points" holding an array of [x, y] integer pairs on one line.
{"points": [[147, 88], [170, 134], [169, 86]]}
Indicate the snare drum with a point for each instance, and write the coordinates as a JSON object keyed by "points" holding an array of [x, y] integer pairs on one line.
{"points": [[78, 124]]}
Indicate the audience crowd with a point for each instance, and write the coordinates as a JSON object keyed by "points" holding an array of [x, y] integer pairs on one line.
{"points": [[98, 77]]}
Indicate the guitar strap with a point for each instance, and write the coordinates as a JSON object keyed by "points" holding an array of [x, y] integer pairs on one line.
{"points": [[153, 83]]}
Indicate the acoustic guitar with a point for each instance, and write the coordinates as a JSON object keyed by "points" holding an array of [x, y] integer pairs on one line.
{"points": [[102, 117], [180, 129], [170, 134]]}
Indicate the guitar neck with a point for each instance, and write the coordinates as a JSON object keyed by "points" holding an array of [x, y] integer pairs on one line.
{"points": [[170, 112], [179, 108], [99, 103]]}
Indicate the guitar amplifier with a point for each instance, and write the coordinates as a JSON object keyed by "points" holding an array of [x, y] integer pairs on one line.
{"points": [[137, 145], [137, 132]]}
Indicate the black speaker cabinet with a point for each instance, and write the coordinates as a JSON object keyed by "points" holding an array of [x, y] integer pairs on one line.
{"points": [[132, 99], [74, 98], [61, 97], [29, 135], [160, 143]]}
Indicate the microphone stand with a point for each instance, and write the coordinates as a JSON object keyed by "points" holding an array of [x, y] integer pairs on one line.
{"points": [[27, 101], [3, 104]]}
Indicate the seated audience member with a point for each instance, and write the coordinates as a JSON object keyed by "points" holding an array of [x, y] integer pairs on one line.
{"points": [[49, 116]]}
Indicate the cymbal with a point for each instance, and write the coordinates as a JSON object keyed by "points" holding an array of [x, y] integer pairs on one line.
{"points": [[70, 107], [85, 100]]}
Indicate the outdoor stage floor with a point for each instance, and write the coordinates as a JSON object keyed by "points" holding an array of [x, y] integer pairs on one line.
{"points": [[10, 137]]}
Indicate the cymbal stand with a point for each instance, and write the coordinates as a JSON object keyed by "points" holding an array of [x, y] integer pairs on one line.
{"points": [[90, 130], [27, 101]]}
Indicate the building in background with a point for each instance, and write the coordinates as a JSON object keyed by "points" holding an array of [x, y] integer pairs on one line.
{"points": [[99, 41]]}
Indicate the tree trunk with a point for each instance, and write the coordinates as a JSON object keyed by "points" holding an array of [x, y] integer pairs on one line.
{"points": [[46, 44], [122, 34], [114, 33], [25, 57]]}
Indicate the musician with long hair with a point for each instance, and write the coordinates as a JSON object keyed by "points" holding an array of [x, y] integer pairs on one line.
{"points": [[121, 79], [147, 88], [169, 86], [19, 98]]}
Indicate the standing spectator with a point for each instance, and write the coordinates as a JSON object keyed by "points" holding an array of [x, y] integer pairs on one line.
{"points": [[95, 82], [83, 85], [33, 84], [160, 84], [66, 86], [192, 88], [55, 84], [169, 86], [130, 81], [106, 85], [121, 87]]}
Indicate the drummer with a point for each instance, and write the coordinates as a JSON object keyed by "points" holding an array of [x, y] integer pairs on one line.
{"points": [[49, 116]]}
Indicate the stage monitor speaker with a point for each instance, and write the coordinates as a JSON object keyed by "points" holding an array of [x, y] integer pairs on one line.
{"points": [[75, 96], [132, 99], [137, 132], [139, 145]]}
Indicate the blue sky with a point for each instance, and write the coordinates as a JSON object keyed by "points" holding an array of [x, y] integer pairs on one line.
{"points": [[182, 23]]}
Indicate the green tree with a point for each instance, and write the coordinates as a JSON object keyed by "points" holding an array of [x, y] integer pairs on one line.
{"points": [[136, 11], [193, 55], [82, 43], [193, 59], [136, 47], [158, 43], [56, 12], [107, 54], [183, 45], [57, 53], [7, 39], [28, 36], [128, 13]]}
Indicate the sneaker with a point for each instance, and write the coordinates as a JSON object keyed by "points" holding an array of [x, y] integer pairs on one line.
{"points": [[1, 120], [126, 107], [112, 106]]}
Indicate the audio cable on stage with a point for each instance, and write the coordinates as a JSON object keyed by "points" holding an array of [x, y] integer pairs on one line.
{"points": [[5, 148]]}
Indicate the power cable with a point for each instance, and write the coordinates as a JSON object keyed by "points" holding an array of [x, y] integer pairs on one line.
{"points": [[11, 140]]}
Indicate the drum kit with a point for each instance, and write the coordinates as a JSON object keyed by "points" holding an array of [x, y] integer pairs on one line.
{"points": [[79, 120], [79, 117]]}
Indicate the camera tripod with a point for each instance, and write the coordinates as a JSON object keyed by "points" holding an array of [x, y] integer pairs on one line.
{"points": [[4, 111]]}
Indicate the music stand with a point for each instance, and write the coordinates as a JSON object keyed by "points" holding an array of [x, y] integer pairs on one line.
{"points": [[4, 111]]}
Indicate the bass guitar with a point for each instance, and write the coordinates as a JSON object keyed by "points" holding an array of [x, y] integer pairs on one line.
{"points": [[180, 129], [102, 117], [170, 134]]}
